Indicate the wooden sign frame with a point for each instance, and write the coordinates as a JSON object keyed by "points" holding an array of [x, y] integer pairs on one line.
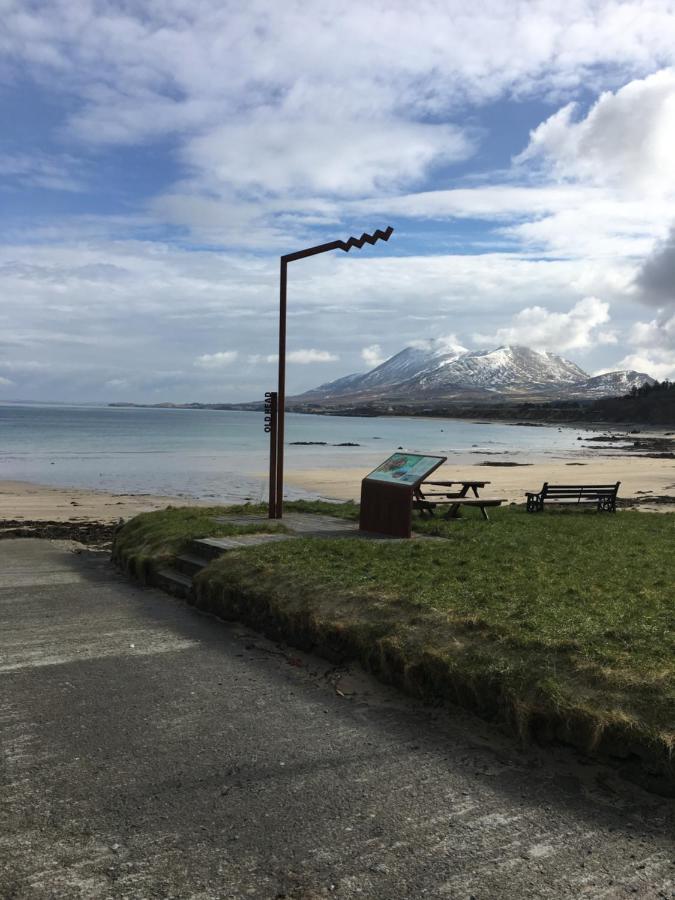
{"points": [[386, 503]]}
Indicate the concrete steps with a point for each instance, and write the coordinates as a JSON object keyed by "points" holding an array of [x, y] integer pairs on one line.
{"points": [[177, 579], [190, 564], [212, 548], [173, 582]]}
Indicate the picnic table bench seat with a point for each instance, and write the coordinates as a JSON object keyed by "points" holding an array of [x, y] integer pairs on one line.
{"points": [[602, 495], [427, 501]]}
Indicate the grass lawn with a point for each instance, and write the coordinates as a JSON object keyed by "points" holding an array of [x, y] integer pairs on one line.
{"points": [[562, 623]]}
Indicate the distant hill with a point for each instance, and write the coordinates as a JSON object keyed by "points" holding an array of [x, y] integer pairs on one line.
{"points": [[652, 404]]}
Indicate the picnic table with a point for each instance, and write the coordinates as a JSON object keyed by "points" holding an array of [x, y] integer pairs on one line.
{"points": [[452, 494]]}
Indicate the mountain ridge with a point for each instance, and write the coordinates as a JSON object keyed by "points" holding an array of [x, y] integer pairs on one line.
{"points": [[451, 372]]}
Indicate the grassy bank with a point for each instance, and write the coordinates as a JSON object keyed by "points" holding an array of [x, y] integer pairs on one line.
{"points": [[561, 624]]}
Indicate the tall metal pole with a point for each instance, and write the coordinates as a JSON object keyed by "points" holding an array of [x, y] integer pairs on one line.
{"points": [[276, 504], [281, 391]]}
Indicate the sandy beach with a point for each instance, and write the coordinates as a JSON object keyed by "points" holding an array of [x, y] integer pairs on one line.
{"points": [[23, 501], [640, 478]]}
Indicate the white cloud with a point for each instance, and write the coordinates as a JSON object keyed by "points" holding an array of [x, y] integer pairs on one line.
{"points": [[273, 110], [23, 365], [121, 308], [306, 357], [303, 357], [557, 331], [5, 382], [654, 344], [216, 360], [175, 66], [660, 364], [373, 356], [61, 173], [626, 139], [448, 343], [322, 155]]}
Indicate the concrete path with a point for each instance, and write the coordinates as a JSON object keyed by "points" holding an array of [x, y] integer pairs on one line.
{"points": [[149, 752]]}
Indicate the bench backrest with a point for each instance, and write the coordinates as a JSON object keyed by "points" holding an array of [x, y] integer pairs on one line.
{"points": [[572, 491]]}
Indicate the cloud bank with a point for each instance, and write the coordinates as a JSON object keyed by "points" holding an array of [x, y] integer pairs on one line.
{"points": [[178, 149]]}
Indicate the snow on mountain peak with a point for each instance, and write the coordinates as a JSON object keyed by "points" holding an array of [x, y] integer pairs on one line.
{"points": [[447, 345], [441, 367]]}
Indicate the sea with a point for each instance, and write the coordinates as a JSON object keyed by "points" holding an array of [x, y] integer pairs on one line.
{"points": [[223, 455]]}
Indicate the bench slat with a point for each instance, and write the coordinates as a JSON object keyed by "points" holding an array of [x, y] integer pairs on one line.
{"points": [[477, 502]]}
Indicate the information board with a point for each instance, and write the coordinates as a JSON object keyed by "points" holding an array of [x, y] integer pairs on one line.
{"points": [[407, 469]]}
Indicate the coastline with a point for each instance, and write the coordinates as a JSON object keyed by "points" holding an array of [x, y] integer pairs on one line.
{"points": [[642, 479]]}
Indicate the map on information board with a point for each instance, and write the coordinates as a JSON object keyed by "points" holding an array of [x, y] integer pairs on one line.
{"points": [[406, 468]]}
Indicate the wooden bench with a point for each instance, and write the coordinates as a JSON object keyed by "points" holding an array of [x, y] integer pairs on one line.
{"points": [[602, 495]]}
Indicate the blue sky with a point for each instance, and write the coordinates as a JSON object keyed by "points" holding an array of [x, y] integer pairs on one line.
{"points": [[157, 157]]}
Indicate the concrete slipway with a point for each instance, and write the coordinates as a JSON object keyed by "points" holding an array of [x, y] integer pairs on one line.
{"points": [[149, 752]]}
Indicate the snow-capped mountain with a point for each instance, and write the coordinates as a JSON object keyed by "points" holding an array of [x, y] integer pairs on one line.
{"points": [[505, 367], [611, 384], [409, 363], [442, 371]]}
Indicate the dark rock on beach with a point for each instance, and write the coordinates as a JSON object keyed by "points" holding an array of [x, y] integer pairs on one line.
{"points": [[494, 462], [90, 533]]}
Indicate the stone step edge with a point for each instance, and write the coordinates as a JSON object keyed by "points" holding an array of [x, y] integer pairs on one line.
{"points": [[173, 582], [199, 562]]}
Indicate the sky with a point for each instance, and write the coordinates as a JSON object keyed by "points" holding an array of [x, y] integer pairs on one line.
{"points": [[157, 157]]}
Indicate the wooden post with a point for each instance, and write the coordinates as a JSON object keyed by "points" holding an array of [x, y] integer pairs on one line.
{"points": [[281, 393], [271, 429]]}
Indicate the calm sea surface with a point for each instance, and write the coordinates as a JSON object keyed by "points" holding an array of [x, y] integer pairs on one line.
{"points": [[224, 454]]}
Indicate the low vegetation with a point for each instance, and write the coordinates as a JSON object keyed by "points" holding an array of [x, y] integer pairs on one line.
{"points": [[562, 624]]}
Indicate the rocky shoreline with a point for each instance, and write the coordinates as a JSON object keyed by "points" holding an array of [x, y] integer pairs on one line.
{"points": [[92, 534]]}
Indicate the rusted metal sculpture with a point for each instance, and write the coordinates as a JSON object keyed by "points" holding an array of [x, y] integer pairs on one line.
{"points": [[277, 451]]}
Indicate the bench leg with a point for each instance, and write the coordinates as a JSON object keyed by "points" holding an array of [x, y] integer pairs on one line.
{"points": [[485, 515], [453, 512]]}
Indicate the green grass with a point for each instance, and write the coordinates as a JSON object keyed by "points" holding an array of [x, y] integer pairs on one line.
{"points": [[151, 540], [561, 622]]}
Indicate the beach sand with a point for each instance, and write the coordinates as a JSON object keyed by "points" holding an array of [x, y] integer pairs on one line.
{"points": [[640, 477], [23, 501]]}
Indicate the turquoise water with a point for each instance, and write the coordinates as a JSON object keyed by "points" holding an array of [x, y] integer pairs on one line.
{"points": [[223, 455]]}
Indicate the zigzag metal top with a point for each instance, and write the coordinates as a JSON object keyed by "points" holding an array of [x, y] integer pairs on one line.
{"points": [[365, 239], [347, 245]]}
